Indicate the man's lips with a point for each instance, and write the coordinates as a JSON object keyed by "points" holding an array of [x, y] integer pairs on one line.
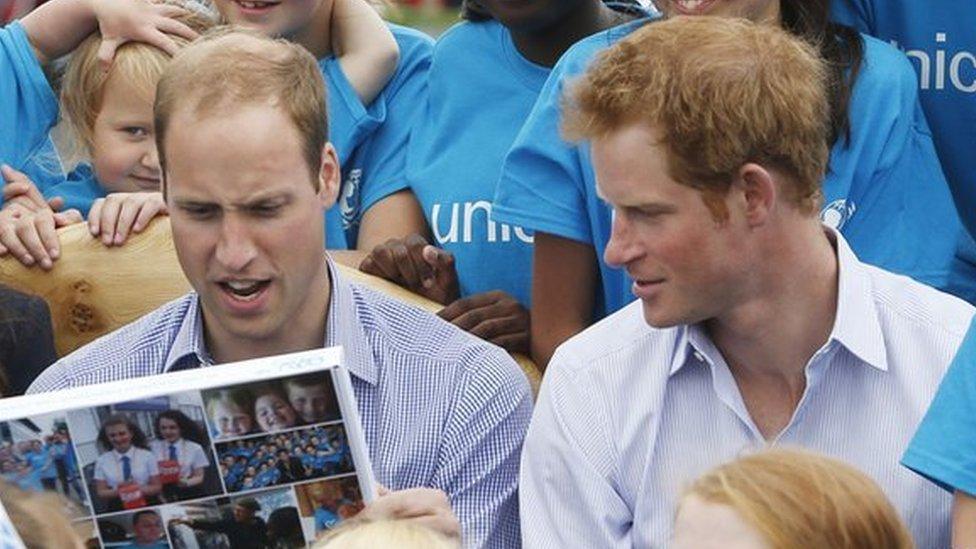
{"points": [[255, 7], [644, 288], [691, 7]]}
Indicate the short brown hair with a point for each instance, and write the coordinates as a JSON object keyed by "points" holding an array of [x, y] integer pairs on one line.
{"points": [[722, 92], [140, 64], [229, 66], [797, 498]]}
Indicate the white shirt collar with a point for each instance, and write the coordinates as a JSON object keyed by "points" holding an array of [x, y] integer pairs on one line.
{"points": [[856, 325]]}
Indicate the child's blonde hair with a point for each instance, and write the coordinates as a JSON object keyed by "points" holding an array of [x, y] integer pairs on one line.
{"points": [[797, 498], [139, 64], [40, 518], [385, 534]]}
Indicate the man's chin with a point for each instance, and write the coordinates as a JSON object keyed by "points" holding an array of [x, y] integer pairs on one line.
{"points": [[658, 317]]}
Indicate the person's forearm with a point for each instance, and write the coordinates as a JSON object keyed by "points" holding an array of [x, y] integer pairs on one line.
{"points": [[963, 520], [565, 275], [154, 487], [395, 216], [364, 46], [57, 27], [195, 479]]}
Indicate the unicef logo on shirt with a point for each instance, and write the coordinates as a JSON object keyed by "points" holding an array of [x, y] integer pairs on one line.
{"points": [[349, 198], [836, 214]]}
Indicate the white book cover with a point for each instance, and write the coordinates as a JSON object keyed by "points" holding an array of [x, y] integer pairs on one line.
{"points": [[261, 453]]}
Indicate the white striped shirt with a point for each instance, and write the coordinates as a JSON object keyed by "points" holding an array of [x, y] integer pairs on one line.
{"points": [[440, 407], [628, 415]]}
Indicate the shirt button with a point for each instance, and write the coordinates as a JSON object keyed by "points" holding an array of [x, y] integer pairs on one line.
{"points": [[699, 356]]}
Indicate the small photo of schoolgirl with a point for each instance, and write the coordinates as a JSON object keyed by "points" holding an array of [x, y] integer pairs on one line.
{"points": [[36, 454], [145, 452], [284, 458]]}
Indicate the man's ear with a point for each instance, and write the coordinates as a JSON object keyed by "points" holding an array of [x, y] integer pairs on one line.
{"points": [[759, 192], [330, 177]]}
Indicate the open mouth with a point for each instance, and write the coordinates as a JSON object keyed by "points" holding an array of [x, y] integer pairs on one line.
{"points": [[244, 290], [255, 7], [691, 7]]}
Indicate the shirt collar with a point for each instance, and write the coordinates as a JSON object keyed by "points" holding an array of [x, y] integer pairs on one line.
{"points": [[189, 349], [856, 325], [343, 327]]}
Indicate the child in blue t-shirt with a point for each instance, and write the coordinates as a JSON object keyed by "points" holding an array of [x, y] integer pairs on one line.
{"points": [[885, 191], [111, 113], [939, 37], [369, 136], [465, 126], [944, 447]]}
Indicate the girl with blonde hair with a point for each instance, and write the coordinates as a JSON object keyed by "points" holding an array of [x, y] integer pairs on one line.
{"points": [[786, 498]]}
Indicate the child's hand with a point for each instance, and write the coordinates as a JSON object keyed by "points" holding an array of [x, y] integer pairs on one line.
{"points": [[31, 235], [121, 21], [118, 214], [19, 189]]}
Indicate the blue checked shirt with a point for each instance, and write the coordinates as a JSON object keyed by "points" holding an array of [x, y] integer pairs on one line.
{"points": [[440, 408], [628, 415]]}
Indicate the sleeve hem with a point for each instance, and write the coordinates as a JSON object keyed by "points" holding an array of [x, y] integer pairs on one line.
{"points": [[533, 221], [946, 475]]}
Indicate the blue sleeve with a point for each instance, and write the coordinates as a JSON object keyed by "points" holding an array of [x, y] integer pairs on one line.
{"points": [[944, 447], [902, 217], [349, 121], [28, 110], [855, 13], [79, 190], [542, 186], [403, 96]]}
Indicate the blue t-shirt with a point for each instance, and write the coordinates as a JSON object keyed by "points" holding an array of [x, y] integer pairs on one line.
{"points": [[940, 40], [325, 519], [28, 111], [470, 119], [944, 447], [939, 37], [372, 142], [886, 182]]}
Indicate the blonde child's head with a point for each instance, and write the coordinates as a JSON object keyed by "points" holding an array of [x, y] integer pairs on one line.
{"points": [[41, 519], [385, 534], [784, 498], [108, 113]]}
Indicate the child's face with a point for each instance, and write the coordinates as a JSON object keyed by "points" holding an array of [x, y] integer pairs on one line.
{"points": [[230, 419], [119, 436], [148, 528], [285, 18], [311, 403], [123, 148], [272, 412]]}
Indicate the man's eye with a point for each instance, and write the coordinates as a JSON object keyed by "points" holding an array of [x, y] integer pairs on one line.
{"points": [[266, 210], [136, 131]]}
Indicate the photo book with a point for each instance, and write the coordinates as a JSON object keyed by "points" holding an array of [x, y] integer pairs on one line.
{"points": [[261, 453]]}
